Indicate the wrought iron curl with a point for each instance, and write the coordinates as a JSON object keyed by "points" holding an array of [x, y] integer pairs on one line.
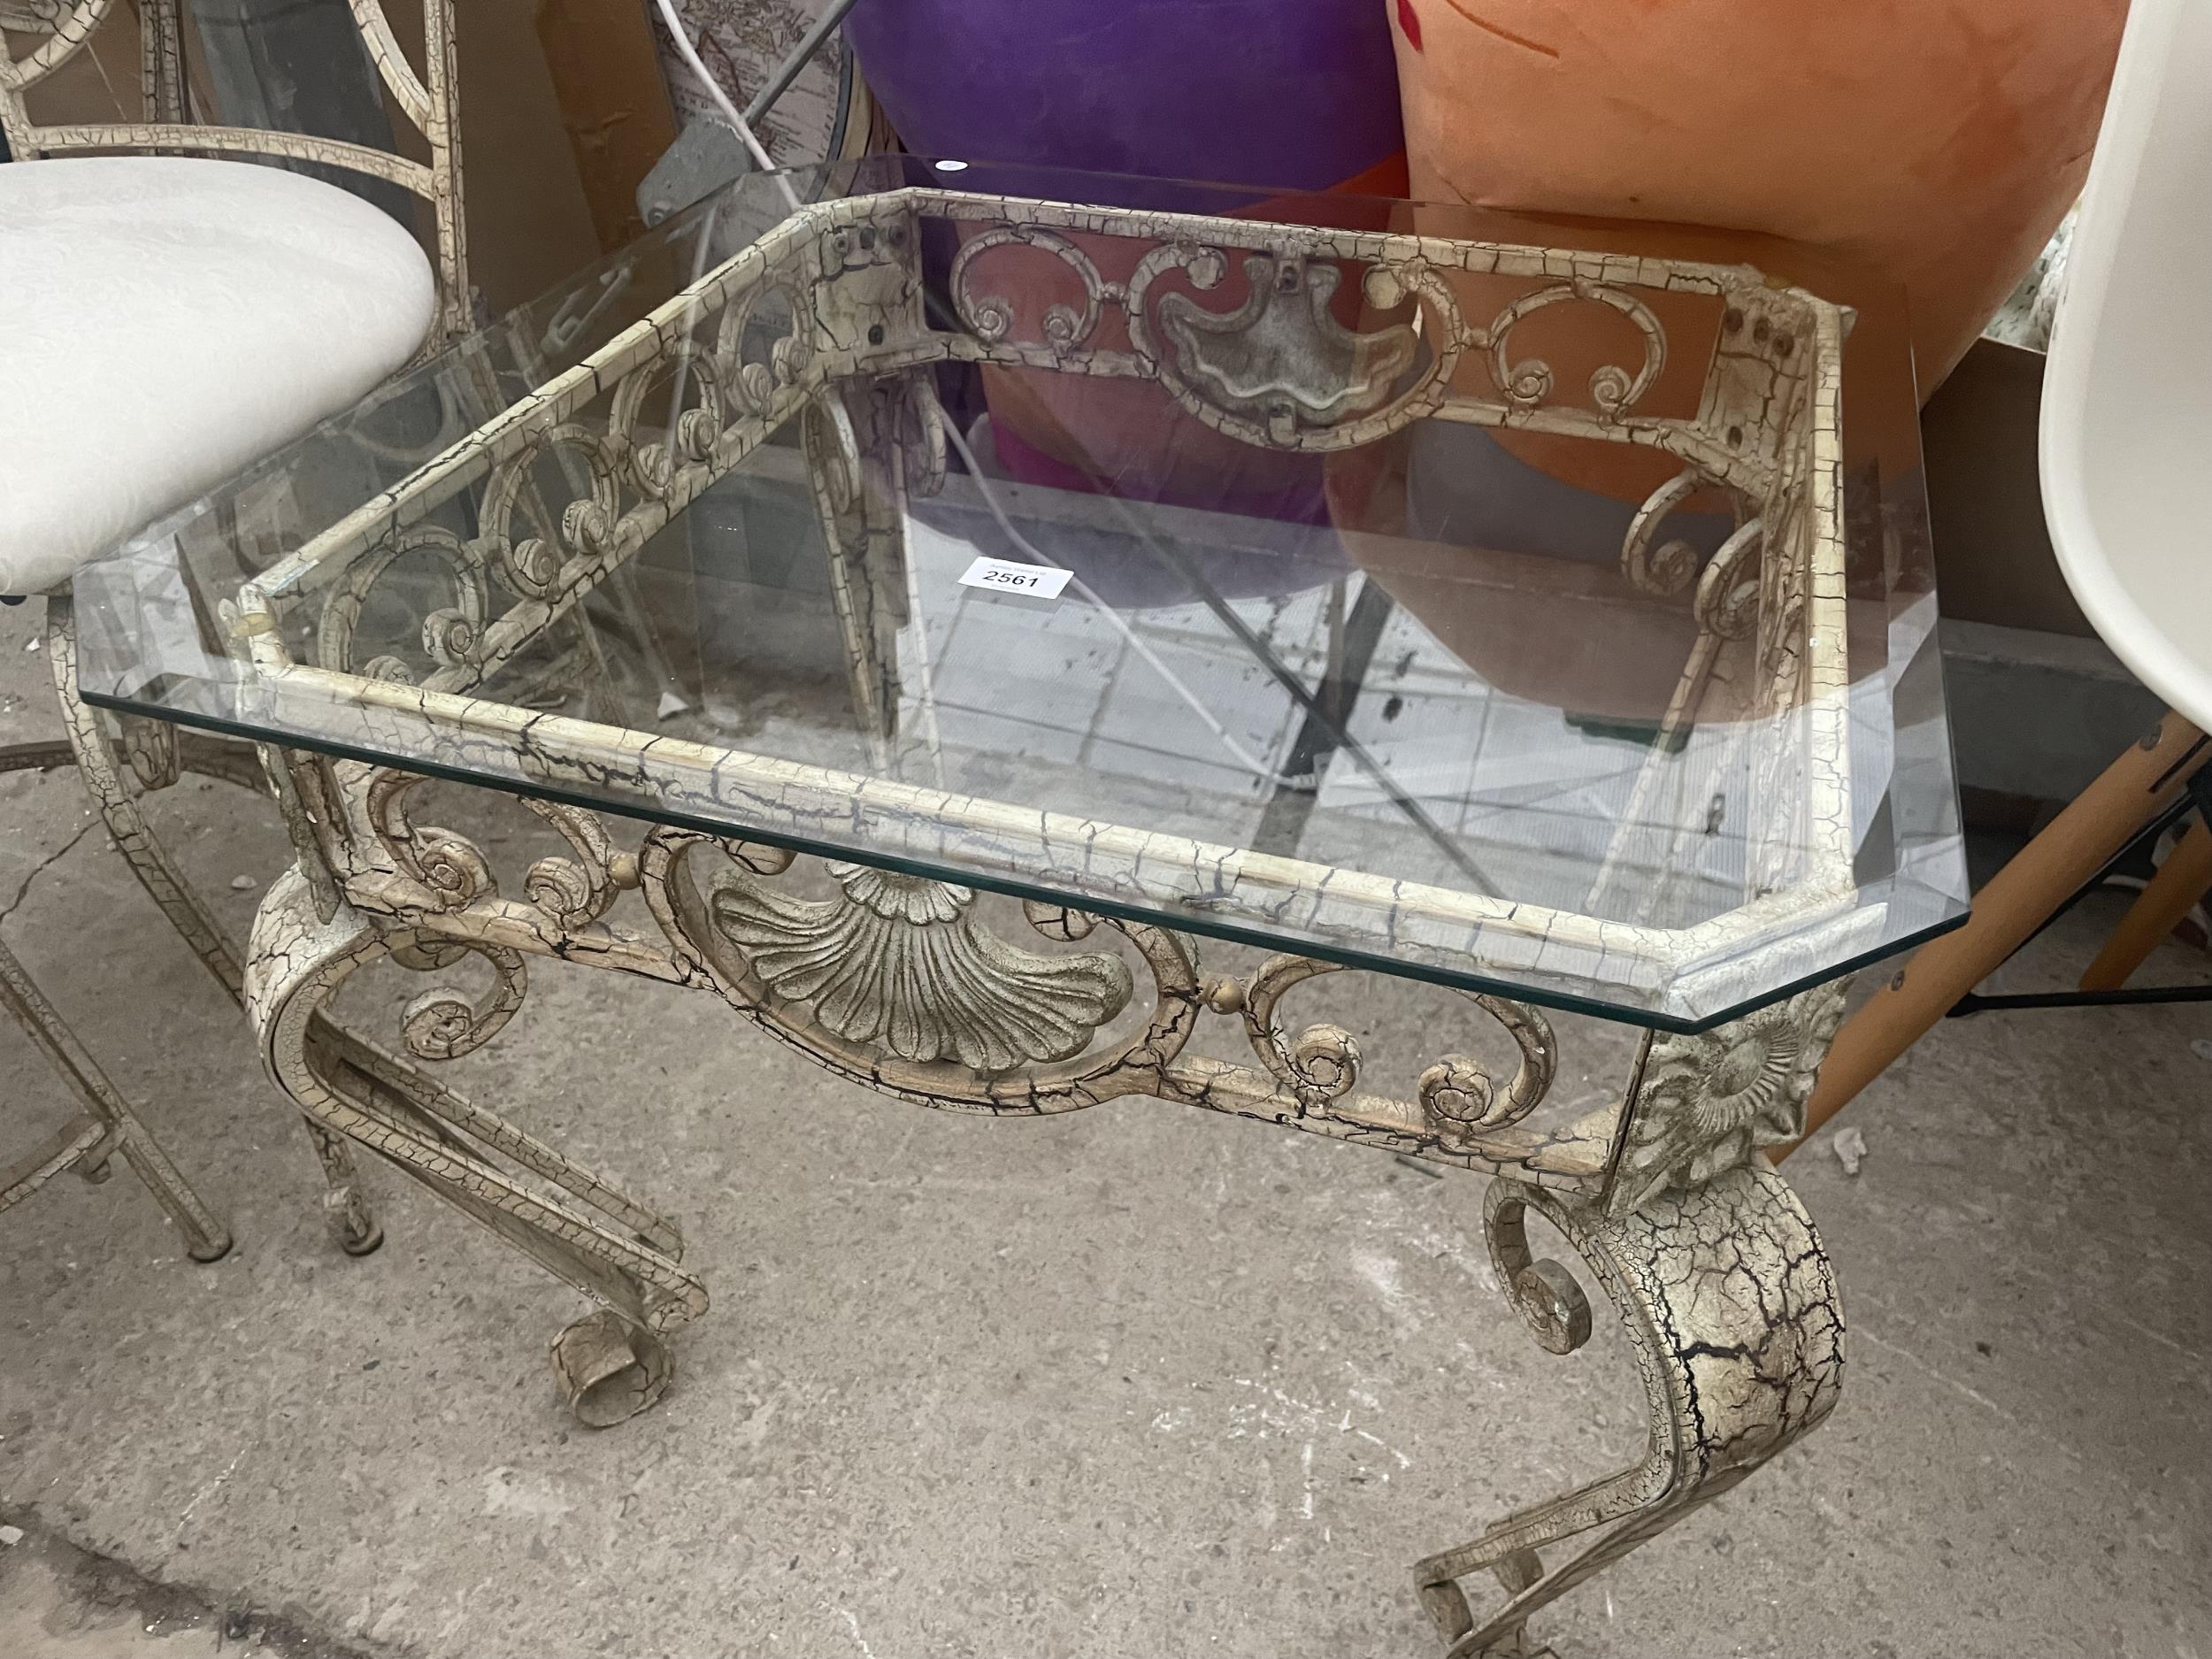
{"points": [[1545, 1292], [1456, 1094], [755, 386], [535, 567], [574, 892], [451, 635], [990, 317], [1613, 390], [1668, 569], [1727, 600], [444, 1022], [654, 463]]}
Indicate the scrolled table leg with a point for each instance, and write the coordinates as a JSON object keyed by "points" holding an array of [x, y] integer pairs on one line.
{"points": [[576, 1224], [1731, 1308], [154, 753]]}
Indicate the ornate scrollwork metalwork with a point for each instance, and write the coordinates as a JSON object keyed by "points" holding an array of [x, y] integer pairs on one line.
{"points": [[756, 384], [444, 1024], [540, 566], [1280, 371], [450, 866], [574, 892], [452, 634], [1668, 569], [1706, 1104], [1456, 1095], [1613, 390], [898, 962], [991, 316], [1727, 599], [1730, 1309], [570, 891], [452, 876], [1282, 356], [894, 982], [1457, 1091], [1543, 1292], [693, 376]]}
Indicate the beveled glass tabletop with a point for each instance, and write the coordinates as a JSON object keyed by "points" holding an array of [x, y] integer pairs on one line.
{"points": [[1533, 606]]}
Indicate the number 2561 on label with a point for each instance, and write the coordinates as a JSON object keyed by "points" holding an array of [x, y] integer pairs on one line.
{"points": [[1002, 576]]}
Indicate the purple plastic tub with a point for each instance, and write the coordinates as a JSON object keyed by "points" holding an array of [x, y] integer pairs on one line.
{"points": [[1288, 94]]}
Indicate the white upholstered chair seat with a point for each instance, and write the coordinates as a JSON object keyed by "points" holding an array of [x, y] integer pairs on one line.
{"points": [[164, 322]]}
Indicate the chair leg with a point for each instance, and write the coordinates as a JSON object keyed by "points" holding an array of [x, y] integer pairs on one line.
{"points": [[100, 767], [2017, 901], [108, 1126], [2180, 882]]}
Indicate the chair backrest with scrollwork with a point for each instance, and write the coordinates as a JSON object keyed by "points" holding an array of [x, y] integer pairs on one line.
{"points": [[59, 29]]}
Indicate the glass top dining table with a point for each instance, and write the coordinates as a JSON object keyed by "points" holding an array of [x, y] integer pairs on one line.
{"points": [[1533, 606]]}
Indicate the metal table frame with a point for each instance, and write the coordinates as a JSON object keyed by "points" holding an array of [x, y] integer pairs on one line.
{"points": [[1710, 1263]]}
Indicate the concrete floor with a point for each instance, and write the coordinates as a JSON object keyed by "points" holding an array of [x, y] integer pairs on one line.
{"points": [[57, 1601], [1140, 1382]]}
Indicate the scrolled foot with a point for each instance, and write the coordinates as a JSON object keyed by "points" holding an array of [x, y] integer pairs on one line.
{"points": [[353, 1227], [610, 1369], [210, 1249], [352, 1092], [1447, 1604]]}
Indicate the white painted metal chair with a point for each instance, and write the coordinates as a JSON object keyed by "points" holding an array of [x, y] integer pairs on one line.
{"points": [[173, 314], [2126, 444]]}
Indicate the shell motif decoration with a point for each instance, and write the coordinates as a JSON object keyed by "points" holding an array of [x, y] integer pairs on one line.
{"points": [[1282, 356], [898, 963]]}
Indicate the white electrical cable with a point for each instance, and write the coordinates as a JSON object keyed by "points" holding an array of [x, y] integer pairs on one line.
{"points": [[730, 113]]}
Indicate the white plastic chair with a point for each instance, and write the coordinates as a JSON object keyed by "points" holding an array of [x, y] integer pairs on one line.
{"points": [[2126, 457], [2127, 395]]}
